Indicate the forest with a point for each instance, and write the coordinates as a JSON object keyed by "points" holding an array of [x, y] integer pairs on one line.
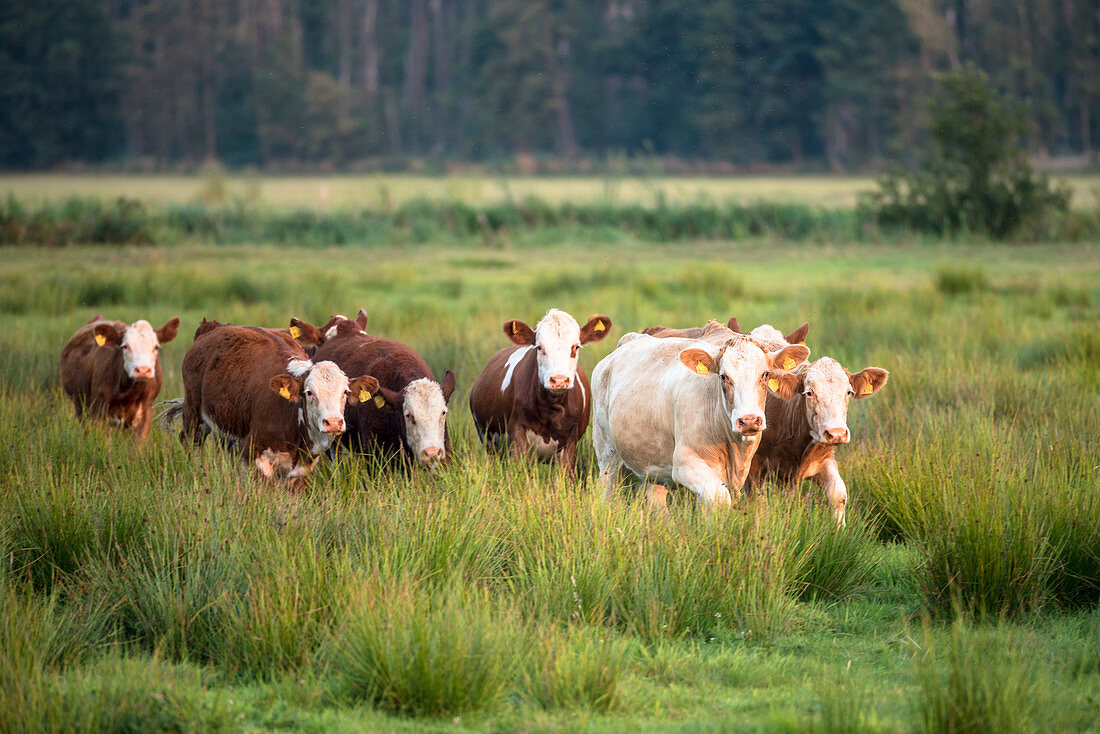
{"points": [[706, 86]]}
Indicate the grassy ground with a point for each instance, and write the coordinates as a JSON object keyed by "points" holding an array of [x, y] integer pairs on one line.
{"points": [[160, 589], [337, 191]]}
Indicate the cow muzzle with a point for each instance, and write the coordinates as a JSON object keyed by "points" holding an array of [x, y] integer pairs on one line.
{"points": [[559, 383], [432, 455], [833, 436], [333, 426], [749, 425], [141, 374]]}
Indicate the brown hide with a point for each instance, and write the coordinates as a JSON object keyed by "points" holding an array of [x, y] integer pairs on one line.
{"points": [[784, 442], [95, 380], [525, 406]]}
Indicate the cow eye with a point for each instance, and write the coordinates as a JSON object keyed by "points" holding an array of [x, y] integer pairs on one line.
{"points": [[808, 393], [765, 376], [126, 347], [851, 392], [410, 419], [575, 348], [538, 347], [309, 393]]}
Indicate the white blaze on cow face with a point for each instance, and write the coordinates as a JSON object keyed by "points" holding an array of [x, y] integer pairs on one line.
{"points": [[323, 398], [826, 392], [743, 371], [139, 351], [557, 350], [425, 416]]}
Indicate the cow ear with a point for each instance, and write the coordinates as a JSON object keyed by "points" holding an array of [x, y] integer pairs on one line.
{"points": [[788, 358], [698, 361], [732, 325], [597, 328], [868, 381], [287, 387], [386, 398], [798, 336], [107, 335], [519, 332], [206, 326], [306, 334], [168, 332], [362, 389], [361, 319], [784, 384], [653, 330], [448, 385]]}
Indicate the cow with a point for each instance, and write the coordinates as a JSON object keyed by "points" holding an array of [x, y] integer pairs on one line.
{"points": [[111, 369], [408, 414], [260, 389], [694, 332], [805, 429], [713, 331], [534, 394], [685, 410], [306, 335]]}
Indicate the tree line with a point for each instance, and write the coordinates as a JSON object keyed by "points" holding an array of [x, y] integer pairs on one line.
{"points": [[836, 84]]}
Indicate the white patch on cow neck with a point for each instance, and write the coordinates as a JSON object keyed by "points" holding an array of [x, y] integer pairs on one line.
{"points": [[424, 402], [139, 347], [329, 386], [557, 333], [829, 408], [513, 359]]}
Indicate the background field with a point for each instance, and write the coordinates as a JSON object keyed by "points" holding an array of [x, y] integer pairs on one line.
{"points": [[160, 589]]}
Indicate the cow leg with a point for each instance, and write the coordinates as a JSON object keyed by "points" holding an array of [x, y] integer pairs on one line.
{"points": [[691, 471], [656, 496], [607, 459], [835, 490], [567, 456], [518, 437]]}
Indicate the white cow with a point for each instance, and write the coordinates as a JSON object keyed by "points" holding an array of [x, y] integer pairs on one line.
{"points": [[684, 410]]}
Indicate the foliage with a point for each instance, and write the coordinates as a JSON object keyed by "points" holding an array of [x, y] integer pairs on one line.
{"points": [[974, 176]]}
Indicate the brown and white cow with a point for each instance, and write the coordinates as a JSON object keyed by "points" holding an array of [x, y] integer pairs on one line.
{"points": [[260, 389], [684, 410], [805, 429], [535, 394], [408, 413], [112, 370]]}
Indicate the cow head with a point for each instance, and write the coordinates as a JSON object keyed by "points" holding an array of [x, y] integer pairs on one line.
{"points": [[423, 406], [827, 388], [307, 335], [773, 336], [340, 324], [139, 343], [557, 339], [746, 372], [321, 392]]}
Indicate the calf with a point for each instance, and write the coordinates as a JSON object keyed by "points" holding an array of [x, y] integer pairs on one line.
{"points": [[259, 388], [805, 430], [111, 370], [408, 414], [534, 393], [684, 410]]}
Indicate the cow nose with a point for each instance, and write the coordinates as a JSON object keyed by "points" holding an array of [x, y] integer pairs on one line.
{"points": [[560, 382], [431, 454], [333, 425], [750, 424], [836, 435], [143, 373]]}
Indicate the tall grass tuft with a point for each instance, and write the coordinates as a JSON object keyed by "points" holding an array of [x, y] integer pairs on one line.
{"points": [[575, 668], [419, 650]]}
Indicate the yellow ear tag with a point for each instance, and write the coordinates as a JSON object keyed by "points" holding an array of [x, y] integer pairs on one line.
{"points": [[515, 327], [295, 332], [379, 401], [364, 396], [867, 389], [285, 392], [100, 339], [788, 363], [773, 384], [702, 369], [599, 326]]}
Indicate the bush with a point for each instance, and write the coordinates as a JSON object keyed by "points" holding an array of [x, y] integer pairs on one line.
{"points": [[975, 176]]}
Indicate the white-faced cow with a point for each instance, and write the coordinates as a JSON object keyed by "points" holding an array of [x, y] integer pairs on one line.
{"points": [[805, 429], [684, 410], [112, 370], [259, 388], [534, 394], [408, 413]]}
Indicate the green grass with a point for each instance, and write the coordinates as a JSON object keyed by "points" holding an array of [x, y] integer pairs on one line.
{"points": [[160, 589]]}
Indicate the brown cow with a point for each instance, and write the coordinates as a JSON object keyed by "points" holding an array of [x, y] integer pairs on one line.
{"points": [[260, 389], [409, 412], [534, 394], [112, 370], [305, 335]]}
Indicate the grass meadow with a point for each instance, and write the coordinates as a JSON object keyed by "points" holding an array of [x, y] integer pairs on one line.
{"points": [[158, 589]]}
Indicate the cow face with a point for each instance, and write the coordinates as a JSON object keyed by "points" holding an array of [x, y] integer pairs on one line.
{"points": [[140, 345], [557, 339], [321, 391], [424, 412], [827, 388], [745, 371]]}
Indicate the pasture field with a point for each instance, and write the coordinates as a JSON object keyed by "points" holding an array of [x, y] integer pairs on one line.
{"points": [[157, 589], [339, 191]]}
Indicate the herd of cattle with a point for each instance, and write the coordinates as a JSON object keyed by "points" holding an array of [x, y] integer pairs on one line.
{"points": [[709, 408]]}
